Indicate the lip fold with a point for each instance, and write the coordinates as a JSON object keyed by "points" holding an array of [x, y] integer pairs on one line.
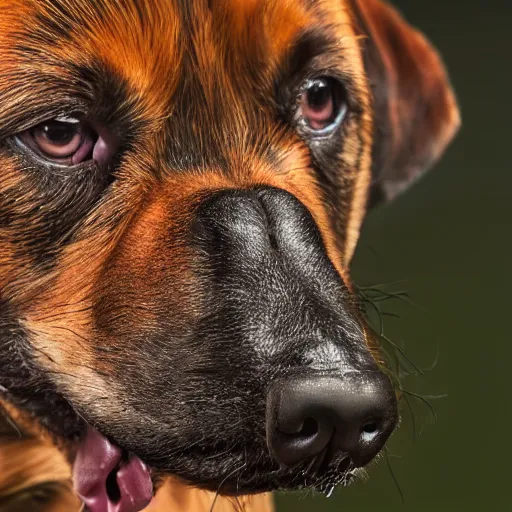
{"points": [[108, 482]]}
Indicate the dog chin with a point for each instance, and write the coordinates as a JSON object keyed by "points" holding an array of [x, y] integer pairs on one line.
{"points": [[230, 474], [261, 479], [104, 473], [245, 471]]}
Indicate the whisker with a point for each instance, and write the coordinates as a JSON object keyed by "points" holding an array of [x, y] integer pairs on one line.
{"points": [[399, 295], [402, 353], [393, 476], [413, 417], [217, 493], [425, 401]]}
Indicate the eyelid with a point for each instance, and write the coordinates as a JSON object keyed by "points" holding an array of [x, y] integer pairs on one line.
{"points": [[30, 153], [102, 143], [66, 119], [22, 122]]}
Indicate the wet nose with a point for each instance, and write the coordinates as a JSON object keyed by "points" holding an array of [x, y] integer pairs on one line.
{"points": [[329, 416]]}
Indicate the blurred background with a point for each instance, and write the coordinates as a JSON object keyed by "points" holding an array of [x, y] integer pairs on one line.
{"points": [[447, 243]]}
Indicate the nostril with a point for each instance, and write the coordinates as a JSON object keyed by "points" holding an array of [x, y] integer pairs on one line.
{"points": [[309, 428], [370, 430], [350, 416], [370, 427], [293, 435]]}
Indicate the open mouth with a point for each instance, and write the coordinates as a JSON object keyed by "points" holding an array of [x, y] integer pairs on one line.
{"points": [[107, 479]]}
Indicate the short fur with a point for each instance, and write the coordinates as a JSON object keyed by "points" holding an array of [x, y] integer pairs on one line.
{"points": [[114, 307]]}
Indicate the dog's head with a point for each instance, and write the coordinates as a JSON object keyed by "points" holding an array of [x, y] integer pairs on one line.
{"points": [[182, 188]]}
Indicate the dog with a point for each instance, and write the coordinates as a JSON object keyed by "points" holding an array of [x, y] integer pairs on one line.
{"points": [[183, 184]]}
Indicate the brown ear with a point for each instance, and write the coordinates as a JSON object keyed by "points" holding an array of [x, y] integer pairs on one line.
{"points": [[416, 113]]}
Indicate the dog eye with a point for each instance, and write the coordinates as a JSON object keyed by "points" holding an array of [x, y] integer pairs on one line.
{"points": [[62, 140], [322, 105]]}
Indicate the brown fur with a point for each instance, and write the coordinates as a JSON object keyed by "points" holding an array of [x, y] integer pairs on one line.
{"points": [[56, 306]]}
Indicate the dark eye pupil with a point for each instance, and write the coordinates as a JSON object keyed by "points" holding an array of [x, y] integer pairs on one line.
{"points": [[319, 94], [59, 133]]}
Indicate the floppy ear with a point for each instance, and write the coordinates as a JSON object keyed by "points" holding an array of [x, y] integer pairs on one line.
{"points": [[416, 113]]}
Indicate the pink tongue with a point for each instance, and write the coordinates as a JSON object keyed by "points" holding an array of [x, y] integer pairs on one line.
{"points": [[96, 459]]}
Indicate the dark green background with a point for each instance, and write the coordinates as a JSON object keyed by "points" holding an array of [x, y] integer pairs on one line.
{"points": [[449, 239]]}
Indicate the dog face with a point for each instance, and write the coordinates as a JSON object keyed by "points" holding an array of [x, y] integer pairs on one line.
{"points": [[182, 189]]}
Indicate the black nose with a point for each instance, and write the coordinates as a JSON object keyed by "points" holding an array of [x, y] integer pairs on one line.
{"points": [[246, 226], [352, 415]]}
